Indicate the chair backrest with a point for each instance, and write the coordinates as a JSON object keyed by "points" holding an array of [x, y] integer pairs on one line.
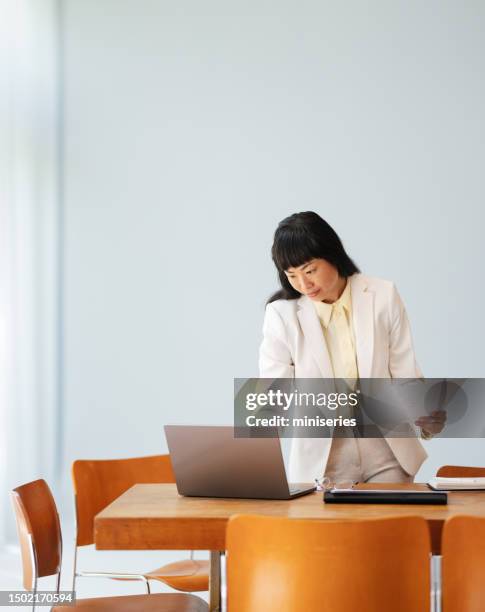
{"points": [[461, 471], [463, 564], [99, 482], [290, 564], [39, 531]]}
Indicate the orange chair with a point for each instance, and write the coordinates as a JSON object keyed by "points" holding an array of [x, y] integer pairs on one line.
{"points": [[463, 564], [96, 484], [40, 538], [454, 471], [460, 471], [290, 565]]}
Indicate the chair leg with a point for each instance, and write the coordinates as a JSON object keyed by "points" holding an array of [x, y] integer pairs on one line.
{"points": [[74, 569], [33, 558], [34, 591]]}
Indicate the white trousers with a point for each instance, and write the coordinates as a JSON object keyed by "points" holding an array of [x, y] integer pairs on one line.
{"points": [[363, 460]]}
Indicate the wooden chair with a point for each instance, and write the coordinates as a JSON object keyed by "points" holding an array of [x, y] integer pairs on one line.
{"points": [[289, 565], [453, 471], [463, 564], [460, 471], [40, 538], [99, 482]]}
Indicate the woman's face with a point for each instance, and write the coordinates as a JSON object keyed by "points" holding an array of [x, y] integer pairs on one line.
{"points": [[317, 279]]}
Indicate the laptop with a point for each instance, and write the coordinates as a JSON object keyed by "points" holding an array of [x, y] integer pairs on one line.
{"points": [[209, 461]]}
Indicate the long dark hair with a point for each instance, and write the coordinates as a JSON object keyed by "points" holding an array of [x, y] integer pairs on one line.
{"points": [[298, 239]]}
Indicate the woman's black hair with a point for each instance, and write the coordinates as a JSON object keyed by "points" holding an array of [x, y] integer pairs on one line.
{"points": [[298, 239]]}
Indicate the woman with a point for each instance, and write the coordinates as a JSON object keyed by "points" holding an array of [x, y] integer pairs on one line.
{"points": [[329, 320]]}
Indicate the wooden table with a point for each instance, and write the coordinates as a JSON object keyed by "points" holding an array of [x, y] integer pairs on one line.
{"points": [[154, 516]]}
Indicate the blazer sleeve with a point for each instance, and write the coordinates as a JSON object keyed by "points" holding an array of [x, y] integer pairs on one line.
{"points": [[402, 360], [274, 355]]}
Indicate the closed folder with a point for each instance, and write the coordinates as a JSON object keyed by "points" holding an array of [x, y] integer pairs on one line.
{"points": [[439, 483], [383, 496]]}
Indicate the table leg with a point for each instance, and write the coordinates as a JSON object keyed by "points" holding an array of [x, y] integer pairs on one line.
{"points": [[215, 581], [436, 582]]}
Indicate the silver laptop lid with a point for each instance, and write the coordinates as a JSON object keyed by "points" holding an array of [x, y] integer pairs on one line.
{"points": [[209, 461]]}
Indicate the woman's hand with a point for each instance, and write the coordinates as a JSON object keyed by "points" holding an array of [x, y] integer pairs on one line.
{"points": [[432, 424]]}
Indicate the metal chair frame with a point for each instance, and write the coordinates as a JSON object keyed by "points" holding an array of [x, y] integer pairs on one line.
{"points": [[86, 574]]}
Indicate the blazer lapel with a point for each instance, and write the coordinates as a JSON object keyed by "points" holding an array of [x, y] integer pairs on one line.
{"points": [[313, 333], [363, 320]]}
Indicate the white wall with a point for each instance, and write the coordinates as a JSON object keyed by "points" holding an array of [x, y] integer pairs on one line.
{"points": [[191, 129]]}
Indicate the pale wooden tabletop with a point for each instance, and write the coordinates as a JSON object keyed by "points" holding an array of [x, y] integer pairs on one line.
{"points": [[154, 516]]}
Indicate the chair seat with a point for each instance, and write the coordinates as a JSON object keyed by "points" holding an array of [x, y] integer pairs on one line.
{"points": [[160, 602], [189, 575]]}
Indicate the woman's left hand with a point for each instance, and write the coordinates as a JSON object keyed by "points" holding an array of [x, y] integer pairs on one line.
{"points": [[434, 423]]}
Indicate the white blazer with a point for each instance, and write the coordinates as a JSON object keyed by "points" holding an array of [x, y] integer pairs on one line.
{"points": [[294, 347]]}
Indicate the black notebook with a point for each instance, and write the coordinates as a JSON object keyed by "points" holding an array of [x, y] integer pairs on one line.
{"points": [[384, 496]]}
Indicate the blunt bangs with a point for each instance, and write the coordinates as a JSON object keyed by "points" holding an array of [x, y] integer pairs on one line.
{"points": [[293, 248]]}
